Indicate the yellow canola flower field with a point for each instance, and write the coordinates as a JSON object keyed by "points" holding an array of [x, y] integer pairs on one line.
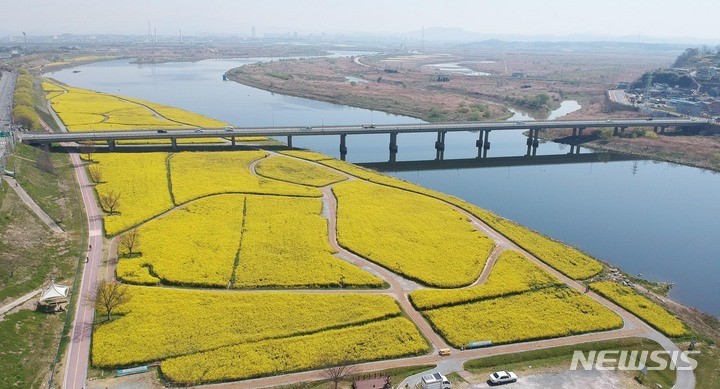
{"points": [[386, 339], [86, 110], [159, 323], [512, 274], [194, 245], [297, 171], [178, 115], [76, 104], [285, 244], [305, 154], [565, 259], [542, 314], [413, 235], [141, 181], [641, 306], [199, 174]]}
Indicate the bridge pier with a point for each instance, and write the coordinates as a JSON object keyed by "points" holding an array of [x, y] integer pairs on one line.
{"points": [[173, 143], [480, 143], [574, 134], [343, 146], [532, 142], [111, 145], [580, 131], [393, 146], [486, 144], [289, 141], [440, 146], [616, 130], [662, 129], [232, 141]]}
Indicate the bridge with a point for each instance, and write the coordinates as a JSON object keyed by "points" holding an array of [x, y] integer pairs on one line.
{"points": [[533, 127]]}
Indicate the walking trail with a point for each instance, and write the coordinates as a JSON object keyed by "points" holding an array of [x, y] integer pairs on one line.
{"points": [[33, 205], [398, 289]]}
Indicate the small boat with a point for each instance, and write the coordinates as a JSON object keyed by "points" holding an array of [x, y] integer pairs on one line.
{"points": [[76, 71]]}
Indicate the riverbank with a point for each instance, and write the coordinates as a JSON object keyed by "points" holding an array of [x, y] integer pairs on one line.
{"points": [[406, 85], [701, 150]]}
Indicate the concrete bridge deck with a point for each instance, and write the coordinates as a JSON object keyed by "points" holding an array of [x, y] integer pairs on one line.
{"points": [[352, 129], [482, 143]]}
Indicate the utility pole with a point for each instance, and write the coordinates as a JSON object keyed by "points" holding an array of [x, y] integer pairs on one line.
{"points": [[25, 40]]}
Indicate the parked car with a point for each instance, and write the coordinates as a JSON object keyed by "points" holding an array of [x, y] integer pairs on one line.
{"points": [[502, 377]]}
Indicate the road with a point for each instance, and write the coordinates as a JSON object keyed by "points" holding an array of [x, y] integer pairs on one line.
{"points": [[78, 353], [618, 96], [77, 360], [354, 129], [7, 86]]}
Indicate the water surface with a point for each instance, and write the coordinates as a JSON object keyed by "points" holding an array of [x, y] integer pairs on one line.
{"points": [[651, 218]]}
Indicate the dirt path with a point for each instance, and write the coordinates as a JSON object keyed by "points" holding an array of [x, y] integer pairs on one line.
{"points": [[399, 288]]}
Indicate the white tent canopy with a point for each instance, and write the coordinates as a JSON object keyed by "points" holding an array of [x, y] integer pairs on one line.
{"points": [[54, 293]]}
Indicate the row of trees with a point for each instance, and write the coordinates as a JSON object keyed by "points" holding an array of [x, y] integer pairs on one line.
{"points": [[23, 107]]}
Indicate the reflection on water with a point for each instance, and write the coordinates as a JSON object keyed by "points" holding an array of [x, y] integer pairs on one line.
{"points": [[646, 217], [455, 67]]}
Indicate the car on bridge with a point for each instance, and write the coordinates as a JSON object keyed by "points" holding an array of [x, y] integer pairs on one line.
{"points": [[162, 131], [199, 130], [306, 128]]}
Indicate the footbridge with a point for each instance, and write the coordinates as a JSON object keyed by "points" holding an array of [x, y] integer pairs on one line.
{"points": [[659, 125]]}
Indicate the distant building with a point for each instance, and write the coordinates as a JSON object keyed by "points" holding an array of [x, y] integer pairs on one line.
{"points": [[713, 107], [686, 107]]}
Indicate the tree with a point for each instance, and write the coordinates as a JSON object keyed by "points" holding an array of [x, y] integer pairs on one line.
{"points": [[95, 173], [109, 201], [87, 148], [336, 369], [44, 163], [107, 296], [130, 240], [11, 264]]}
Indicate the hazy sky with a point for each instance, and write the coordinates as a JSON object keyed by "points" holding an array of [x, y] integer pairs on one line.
{"points": [[647, 18]]}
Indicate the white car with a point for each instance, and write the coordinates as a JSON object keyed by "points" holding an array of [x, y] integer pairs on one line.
{"points": [[502, 377]]}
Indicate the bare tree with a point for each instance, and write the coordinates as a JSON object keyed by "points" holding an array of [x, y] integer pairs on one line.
{"points": [[107, 296], [87, 148], [95, 173], [130, 240], [11, 264], [336, 369], [44, 163], [109, 201]]}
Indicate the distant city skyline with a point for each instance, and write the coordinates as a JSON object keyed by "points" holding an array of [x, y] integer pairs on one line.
{"points": [[610, 19]]}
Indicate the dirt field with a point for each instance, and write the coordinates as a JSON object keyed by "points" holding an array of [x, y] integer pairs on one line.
{"points": [[405, 84]]}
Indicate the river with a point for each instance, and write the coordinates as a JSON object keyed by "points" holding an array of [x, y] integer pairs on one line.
{"points": [[646, 217]]}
